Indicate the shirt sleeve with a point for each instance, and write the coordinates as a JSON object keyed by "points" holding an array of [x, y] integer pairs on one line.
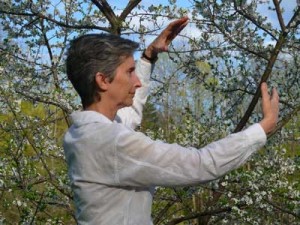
{"points": [[132, 116], [141, 161]]}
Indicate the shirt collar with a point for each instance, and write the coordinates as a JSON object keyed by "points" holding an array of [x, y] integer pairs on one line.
{"points": [[80, 118]]}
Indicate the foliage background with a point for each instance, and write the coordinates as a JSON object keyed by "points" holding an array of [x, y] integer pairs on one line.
{"points": [[206, 87]]}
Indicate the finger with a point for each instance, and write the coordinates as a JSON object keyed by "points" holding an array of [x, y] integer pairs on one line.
{"points": [[180, 28], [165, 49], [174, 31], [162, 42], [178, 22], [275, 95], [264, 91], [275, 102], [176, 26], [182, 24]]}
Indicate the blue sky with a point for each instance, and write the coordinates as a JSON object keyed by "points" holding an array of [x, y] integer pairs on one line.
{"points": [[289, 6]]}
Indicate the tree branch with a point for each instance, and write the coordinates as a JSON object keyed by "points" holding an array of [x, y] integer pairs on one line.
{"points": [[162, 212], [250, 18], [109, 14], [59, 23], [282, 209], [279, 15], [240, 46], [295, 20], [285, 120], [201, 214], [37, 208], [46, 101], [130, 6], [264, 78], [281, 41], [34, 147]]}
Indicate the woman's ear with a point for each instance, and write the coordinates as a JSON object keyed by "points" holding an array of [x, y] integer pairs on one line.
{"points": [[102, 81]]}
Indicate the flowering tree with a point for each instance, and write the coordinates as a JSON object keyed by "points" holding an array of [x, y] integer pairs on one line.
{"points": [[205, 88]]}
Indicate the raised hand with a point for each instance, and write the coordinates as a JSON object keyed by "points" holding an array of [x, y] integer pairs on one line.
{"points": [[161, 43], [270, 108]]}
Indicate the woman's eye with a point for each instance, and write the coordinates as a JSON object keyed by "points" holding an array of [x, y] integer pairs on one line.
{"points": [[130, 72]]}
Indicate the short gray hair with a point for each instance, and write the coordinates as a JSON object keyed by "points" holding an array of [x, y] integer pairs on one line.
{"points": [[92, 53]]}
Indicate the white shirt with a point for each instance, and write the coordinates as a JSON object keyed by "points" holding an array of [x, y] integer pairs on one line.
{"points": [[114, 170]]}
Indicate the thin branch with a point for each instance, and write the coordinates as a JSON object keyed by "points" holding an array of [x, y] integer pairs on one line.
{"points": [[46, 101], [54, 73], [295, 20], [201, 214], [59, 23], [285, 120], [130, 6], [16, 13], [229, 37], [252, 93], [37, 208], [279, 15], [32, 144], [281, 41], [105, 8], [282, 209], [162, 213], [32, 22], [264, 78], [4, 52], [253, 20], [90, 27]]}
